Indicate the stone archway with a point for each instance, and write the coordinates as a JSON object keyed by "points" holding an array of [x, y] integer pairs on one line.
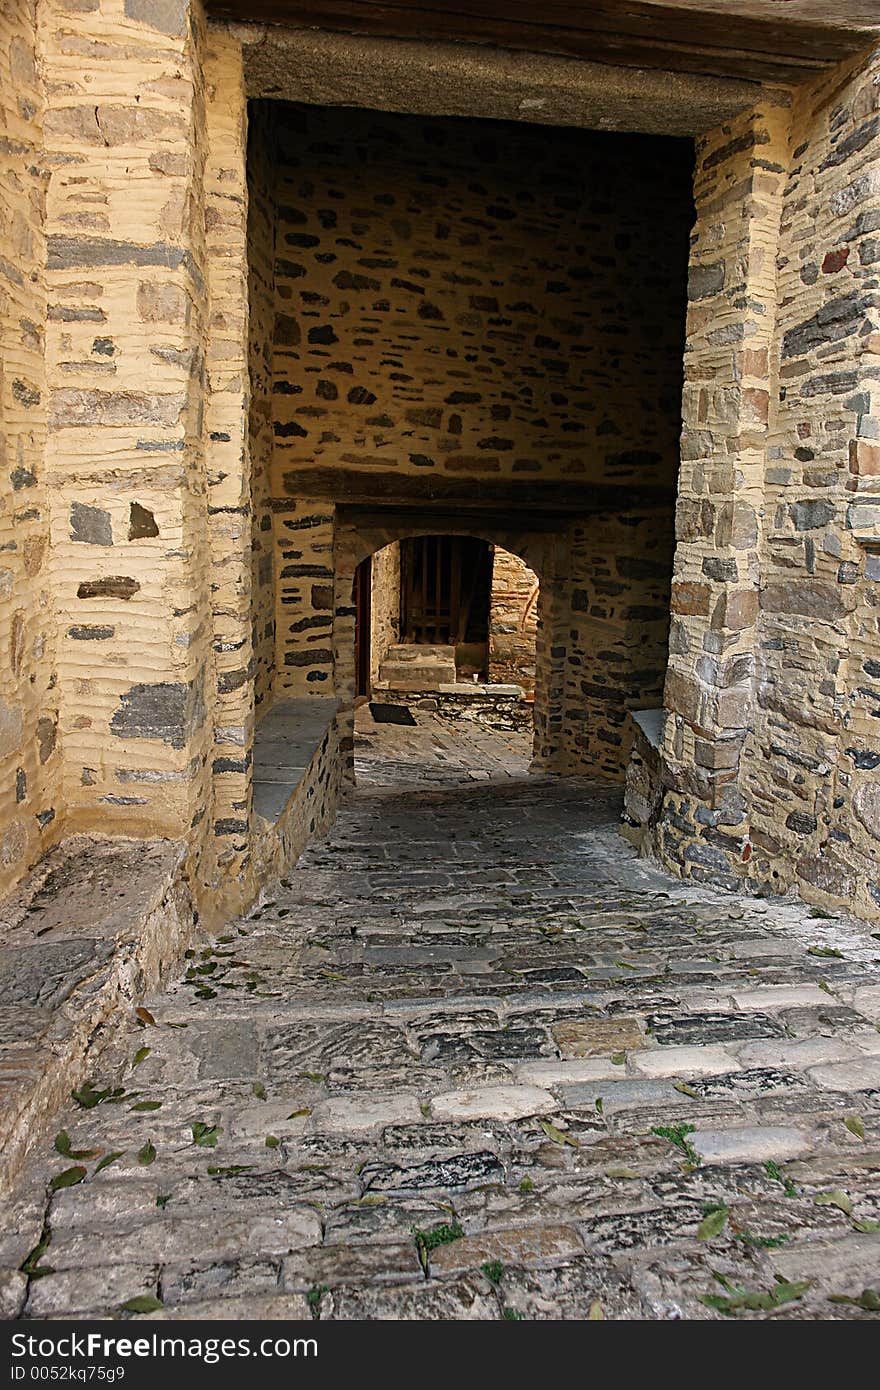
{"points": [[358, 537]]}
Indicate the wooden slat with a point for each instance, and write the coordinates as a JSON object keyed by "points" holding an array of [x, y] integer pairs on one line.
{"points": [[765, 41]]}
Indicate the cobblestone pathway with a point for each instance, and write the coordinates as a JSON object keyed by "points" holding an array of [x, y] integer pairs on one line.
{"points": [[473, 1059]]}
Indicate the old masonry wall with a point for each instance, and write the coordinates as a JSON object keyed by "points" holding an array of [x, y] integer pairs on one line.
{"points": [[773, 737]]}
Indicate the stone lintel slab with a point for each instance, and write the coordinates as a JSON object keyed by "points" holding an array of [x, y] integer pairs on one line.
{"points": [[458, 79]]}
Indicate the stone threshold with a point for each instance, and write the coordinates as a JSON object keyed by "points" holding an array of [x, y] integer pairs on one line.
{"points": [[95, 926], [492, 706]]}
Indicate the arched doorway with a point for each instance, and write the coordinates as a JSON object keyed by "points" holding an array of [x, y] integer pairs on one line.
{"points": [[449, 620]]}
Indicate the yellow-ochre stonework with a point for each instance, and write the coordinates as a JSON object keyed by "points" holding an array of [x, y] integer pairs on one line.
{"points": [[249, 342]]}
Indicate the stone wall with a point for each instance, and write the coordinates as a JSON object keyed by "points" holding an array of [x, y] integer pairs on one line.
{"points": [[442, 326], [304, 575], [615, 635], [810, 758], [310, 811], [30, 756], [773, 741], [261, 264], [384, 604], [461, 301], [125, 271], [513, 621]]}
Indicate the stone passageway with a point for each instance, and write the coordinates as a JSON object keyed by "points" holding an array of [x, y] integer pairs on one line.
{"points": [[474, 1059]]}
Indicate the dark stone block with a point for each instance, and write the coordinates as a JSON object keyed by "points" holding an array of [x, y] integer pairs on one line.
{"points": [[71, 252], [167, 16], [171, 711], [705, 280], [851, 144], [228, 681], [811, 514], [674, 1029], [837, 319], [91, 634], [230, 826], [114, 586], [141, 523], [90, 525], [315, 656], [447, 1174]]}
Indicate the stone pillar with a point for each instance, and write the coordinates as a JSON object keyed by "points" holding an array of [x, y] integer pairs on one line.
{"points": [[738, 187], [125, 271], [30, 812], [513, 620], [228, 456], [384, 604], [813, 751]]}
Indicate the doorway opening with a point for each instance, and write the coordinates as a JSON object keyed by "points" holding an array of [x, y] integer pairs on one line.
{"points": [[466, 374], [446, 630], [439, 610]]}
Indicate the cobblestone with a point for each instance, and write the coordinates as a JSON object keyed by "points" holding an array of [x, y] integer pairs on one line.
{"points": [[372, 1083]]}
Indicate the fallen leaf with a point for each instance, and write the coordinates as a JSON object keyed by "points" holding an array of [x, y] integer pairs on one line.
{"points": [[712, 1224], [143, 1303], [855, 1125], [146, 1153], [557, 1136], [621, 1173], [686, 1090], [272, 1141], [108, 1159], [144, 1015], [62, 1146], [259, 1090], [205, 1136], [140, 1056], [69, 1178], [835, 1198], [595, 1314], [147, 1105]]}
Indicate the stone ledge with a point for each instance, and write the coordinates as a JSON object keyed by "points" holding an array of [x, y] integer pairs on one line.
{"points": [[285, 743], [651, 723], [94, 927]]}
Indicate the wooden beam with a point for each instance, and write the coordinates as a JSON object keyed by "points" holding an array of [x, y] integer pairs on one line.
{"points": [[346, 486]]}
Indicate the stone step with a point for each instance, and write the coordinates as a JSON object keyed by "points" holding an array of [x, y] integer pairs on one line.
{"points": [[417, 667]]}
